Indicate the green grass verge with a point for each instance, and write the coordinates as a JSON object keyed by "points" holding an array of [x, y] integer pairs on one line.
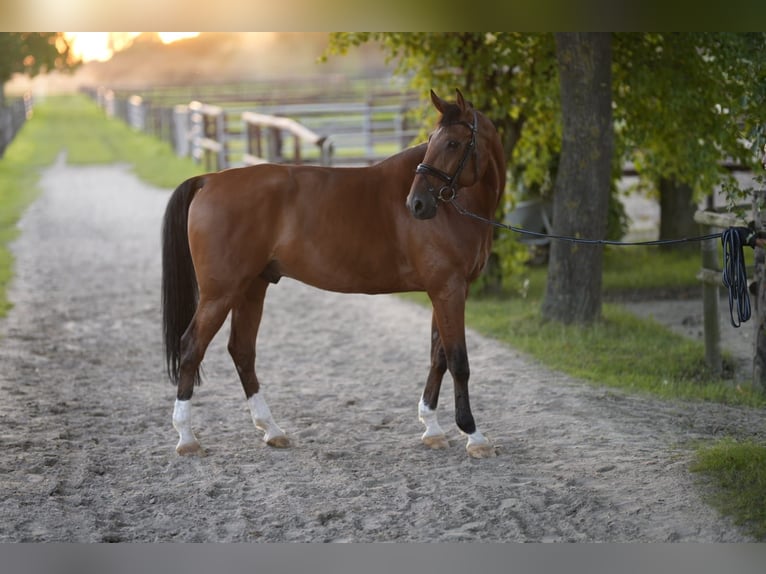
{"points": [[737, 472], [74, 124], [89, 137]]}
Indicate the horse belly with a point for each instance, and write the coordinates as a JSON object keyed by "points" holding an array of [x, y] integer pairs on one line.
{"points": [[345, 268], [333, 274]]}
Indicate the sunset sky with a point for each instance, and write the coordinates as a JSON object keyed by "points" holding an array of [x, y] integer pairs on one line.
{"points": [[102, 45]]}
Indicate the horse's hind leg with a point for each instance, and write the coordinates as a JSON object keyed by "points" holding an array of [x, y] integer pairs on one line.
{"points": [[434, 436], [245, 320], [204, 325]]}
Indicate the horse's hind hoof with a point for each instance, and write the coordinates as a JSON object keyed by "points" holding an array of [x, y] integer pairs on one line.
{"points": [[190, 448], [280, 441], [481, 451]]}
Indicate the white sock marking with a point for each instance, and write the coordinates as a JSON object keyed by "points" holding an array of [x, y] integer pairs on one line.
{"points": [[182, 422], [428, 418], [476, 438], [262, 418]]}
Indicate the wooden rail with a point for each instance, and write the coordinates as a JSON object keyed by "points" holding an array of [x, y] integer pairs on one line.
{"points": [[355, 132], [257, 125], [208, 131]]}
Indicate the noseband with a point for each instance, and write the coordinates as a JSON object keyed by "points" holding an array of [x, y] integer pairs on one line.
{"points": [[448, 192]]}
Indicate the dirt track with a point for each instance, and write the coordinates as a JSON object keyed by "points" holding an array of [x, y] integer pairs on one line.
{"points": [[87, 446]]}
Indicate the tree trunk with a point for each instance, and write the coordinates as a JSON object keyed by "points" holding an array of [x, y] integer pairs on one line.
{"points": [[677, 211], [581, 192]]}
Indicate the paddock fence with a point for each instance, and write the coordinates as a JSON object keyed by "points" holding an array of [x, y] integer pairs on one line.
{"points": [[12, 117], [223, 131]]}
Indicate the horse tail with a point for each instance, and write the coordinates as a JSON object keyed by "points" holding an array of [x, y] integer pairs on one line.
{"points": [[180, 291]]}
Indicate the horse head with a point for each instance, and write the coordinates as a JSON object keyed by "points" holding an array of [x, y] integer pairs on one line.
{"points": [[455, 158]]}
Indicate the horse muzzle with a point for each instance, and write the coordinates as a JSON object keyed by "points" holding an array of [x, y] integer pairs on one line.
{"points": [[421, 203]]}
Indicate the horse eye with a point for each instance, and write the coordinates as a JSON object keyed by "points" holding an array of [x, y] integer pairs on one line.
{"points": [[452, 144]]}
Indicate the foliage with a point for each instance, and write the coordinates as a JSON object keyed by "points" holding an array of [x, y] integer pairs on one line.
{"points": [[738, 471], [686, 101], [32, 53]]}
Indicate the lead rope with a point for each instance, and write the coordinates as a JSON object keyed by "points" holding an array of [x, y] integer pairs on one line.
{"points": [[734, 271]]}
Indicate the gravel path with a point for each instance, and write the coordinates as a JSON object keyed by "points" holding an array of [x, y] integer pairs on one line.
{"points": [[87, 445]]}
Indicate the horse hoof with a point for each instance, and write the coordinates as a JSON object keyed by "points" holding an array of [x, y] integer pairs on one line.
{"points": [[190, 448], [481, 451], [436, 442], [280, 441]]}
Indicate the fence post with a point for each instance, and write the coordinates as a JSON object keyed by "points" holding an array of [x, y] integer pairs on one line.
{"points": [[759, 274], [712, 316], [136, 113], [368, 128], [221, 137], [710, 276], [181, 134], [6, 132], [196, 131]]}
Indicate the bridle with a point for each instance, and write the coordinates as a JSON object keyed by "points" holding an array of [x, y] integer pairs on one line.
{"points": [[448, 192]]}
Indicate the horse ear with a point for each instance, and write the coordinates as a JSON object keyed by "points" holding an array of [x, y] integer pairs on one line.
{"points": [[439, 104], [460, 100]]}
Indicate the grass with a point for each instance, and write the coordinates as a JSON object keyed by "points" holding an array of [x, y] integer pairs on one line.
{"points": [[74, 124], [737, 472]]}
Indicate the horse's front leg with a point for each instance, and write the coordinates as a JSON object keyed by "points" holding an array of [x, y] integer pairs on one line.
{"points": [[449, 312], [434, 436]]}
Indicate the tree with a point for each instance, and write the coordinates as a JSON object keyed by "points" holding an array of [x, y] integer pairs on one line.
{"points": [[32, 53], [683, 103], [581, 196]]}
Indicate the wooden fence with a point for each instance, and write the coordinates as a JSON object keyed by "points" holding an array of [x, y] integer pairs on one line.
{"points": [[12, 117], [272, 128], [710, 277], [228, 135]]}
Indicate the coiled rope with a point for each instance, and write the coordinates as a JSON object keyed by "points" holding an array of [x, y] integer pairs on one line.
{"points": [[734, 273]]}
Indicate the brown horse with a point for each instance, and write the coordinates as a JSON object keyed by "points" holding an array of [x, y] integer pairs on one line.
{"points": [[228, 235]]}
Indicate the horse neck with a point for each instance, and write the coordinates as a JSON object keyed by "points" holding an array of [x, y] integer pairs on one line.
{"points": [[402, 163]]}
